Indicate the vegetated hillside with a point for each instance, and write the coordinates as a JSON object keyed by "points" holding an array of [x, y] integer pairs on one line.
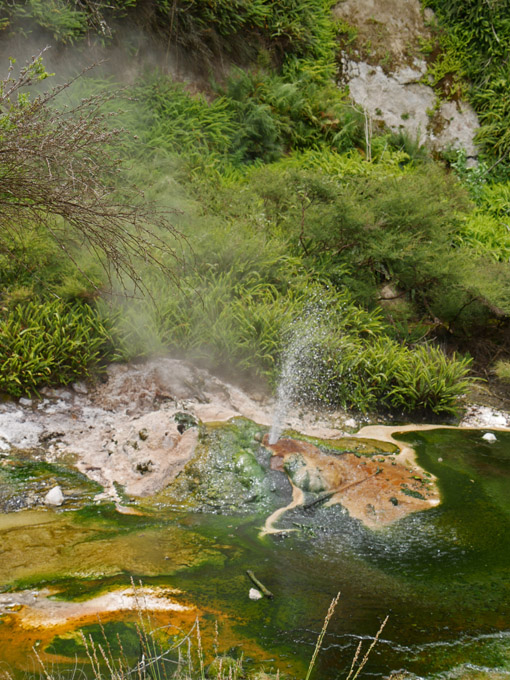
{"points": [[289, 207]]}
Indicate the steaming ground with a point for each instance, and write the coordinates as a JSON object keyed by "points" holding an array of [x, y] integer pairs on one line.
{"points": [[124, 431]]}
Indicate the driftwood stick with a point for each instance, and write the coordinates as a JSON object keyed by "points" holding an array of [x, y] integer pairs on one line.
{"points": [[330, 494], [322, 499], [259, 585]]}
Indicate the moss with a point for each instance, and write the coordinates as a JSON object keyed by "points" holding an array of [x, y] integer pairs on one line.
{"points": [[412, 492], [120, 638], [355, 445]]}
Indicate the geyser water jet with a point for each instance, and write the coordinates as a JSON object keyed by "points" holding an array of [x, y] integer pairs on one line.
{"points": [[298, 366]]}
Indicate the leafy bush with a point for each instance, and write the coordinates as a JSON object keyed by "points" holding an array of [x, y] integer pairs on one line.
{"points": [[67, 21], [474, 44], [380, 373], [288, 28], [346, 358], [257, 117], [45, 343]]}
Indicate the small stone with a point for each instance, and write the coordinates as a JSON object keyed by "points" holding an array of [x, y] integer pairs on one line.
{"points": [[255, 594], [54, 496], [25, 402], [63, 394], [143, 434], [439, 460], [489, 437], [350, 422], [80, 387]]}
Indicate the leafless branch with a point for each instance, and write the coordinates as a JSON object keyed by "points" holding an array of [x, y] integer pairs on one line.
{"points": [[59, 173]]}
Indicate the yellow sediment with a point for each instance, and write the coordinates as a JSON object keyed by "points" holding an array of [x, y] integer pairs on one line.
{"points": [[384, 433], [36, 619]]}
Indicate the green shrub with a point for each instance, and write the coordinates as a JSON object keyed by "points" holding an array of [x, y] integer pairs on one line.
{"points": [[380, 373], [66, 20], [245, 327], [62, 19], [426, 379], [300, 29], [44, 343], [473, 38], [501, 369]]}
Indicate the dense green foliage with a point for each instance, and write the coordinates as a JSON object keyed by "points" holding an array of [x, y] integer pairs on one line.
{"points": [[257, 118], [48, 343], [286, 213], [299, 30], [65, 20], [474, 56]]}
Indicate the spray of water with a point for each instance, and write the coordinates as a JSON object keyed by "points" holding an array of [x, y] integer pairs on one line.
{"points": [[297, 366]]}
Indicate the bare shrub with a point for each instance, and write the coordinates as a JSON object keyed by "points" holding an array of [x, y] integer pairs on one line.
{"points": [[59, 172]]}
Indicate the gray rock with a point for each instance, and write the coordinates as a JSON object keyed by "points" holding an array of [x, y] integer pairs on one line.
{"points": [[255, 594], [403, 102], [54, 496], [80, 387], [63, 394], [23, 401], [459, 125]]}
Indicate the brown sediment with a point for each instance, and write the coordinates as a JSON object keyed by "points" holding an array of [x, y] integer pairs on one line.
{"points": [[33, 620], [377, 489]]}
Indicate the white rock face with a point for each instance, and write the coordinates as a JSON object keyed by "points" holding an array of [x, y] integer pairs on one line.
{"points": [[461, 124], [398, 100], [54, 496], [255, 594], [402, 102], [387, 75], [489, 437], [18, 428]]}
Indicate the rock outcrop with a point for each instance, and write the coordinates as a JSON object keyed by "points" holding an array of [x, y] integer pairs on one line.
{"points": [[386, 73]]}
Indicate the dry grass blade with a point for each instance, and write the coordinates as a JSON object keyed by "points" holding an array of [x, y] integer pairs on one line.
{"points": [[364, 660], [331, 610]]}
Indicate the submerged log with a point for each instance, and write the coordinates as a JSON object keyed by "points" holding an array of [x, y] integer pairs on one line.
{"points": [[260, 585]]}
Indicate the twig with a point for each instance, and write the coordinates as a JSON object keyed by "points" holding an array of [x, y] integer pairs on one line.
{"points": [[340, 489], [260, 585], [367, 654]]}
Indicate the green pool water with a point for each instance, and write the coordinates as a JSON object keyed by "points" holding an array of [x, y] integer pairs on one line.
{"points": [[442, 575]]}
